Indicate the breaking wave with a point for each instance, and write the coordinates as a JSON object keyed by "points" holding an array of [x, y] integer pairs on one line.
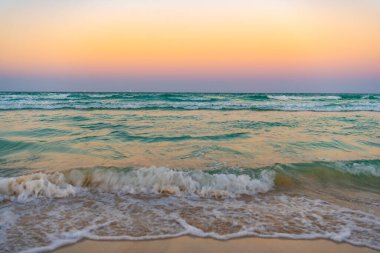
{"points": [[221, 183], [135, 181], [63, 207]]}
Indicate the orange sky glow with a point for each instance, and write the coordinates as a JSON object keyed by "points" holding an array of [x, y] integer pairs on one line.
{"points": [[181, 37]]}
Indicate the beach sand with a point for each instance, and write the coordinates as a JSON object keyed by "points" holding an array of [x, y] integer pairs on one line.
{"points": [[188, 244]]}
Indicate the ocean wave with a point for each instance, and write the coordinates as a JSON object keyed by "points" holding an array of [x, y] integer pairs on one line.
{"points": [[123, 135], [189, 101], [268, 106], [221, 183], [360, 168], [298, 97], [134, 181]]}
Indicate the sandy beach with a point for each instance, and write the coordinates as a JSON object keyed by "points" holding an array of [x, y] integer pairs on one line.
{"points": [[188, 244]]}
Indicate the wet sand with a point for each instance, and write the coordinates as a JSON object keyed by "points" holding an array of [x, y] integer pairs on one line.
{"points": [[188, 244]]}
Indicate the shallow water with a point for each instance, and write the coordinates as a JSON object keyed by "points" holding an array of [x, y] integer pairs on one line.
{"points": [[150, 165]]}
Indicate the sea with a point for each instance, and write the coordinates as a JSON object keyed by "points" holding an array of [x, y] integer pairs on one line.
{"points": [[142, 166]]}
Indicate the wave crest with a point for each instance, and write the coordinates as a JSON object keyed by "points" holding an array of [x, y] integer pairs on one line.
{"points": [[298, 97], [26, 187]]}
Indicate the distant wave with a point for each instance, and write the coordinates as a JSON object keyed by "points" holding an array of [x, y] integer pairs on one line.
{"points": [[326, 107], [285, 97], [189, 101], [123, 135]]}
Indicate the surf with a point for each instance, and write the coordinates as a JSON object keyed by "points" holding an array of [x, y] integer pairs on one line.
{"points": [[189, 101], [214, 183]]}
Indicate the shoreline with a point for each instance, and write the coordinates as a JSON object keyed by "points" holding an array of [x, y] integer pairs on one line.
{"points": [[190, 244]]}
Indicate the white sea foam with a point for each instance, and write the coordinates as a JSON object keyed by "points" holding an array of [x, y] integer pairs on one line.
{"points": [[108, 216]]}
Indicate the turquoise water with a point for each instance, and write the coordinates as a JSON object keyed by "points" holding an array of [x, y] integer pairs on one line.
{"points": [[137, 166]]}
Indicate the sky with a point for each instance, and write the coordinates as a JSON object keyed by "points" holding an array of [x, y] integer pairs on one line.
{"points": [[197, 45]]}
